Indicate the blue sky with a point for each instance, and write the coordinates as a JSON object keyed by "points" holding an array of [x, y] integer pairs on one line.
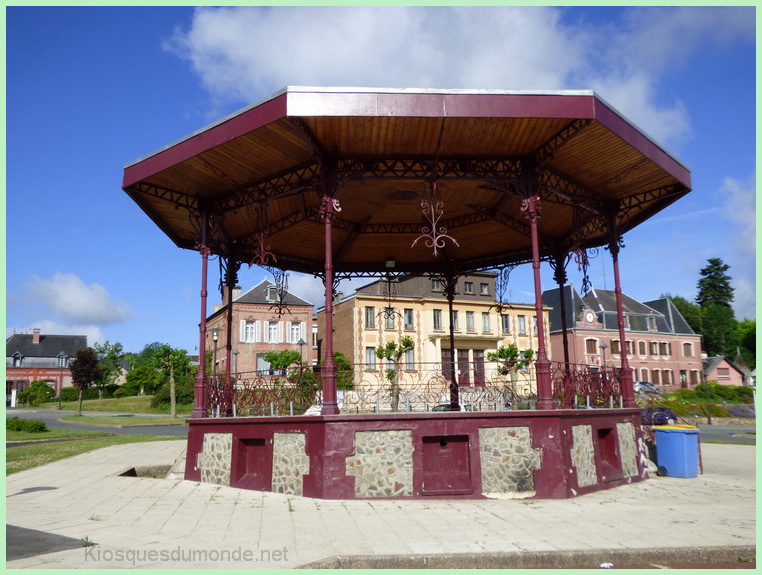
{"points": [[89, 90]]}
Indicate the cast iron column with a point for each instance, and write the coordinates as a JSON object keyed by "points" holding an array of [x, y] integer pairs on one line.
{"points": [[330, 406], [231, 279], [531, 206], [559, 275], [450, 281], [628, 393], [199, 390]]}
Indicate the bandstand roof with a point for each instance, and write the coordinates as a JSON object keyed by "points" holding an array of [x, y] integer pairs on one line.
{"points": [[257, 173]]}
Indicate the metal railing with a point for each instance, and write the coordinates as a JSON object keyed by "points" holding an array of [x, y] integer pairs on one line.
{"points": [[408, 388]]}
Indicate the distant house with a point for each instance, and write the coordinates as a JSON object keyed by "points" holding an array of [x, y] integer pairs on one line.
{"points": [[256, 329], [661, 347], [724, 371], [39, 357]]}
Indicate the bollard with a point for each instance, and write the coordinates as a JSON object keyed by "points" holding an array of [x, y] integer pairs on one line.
{"points": [[621, 402], [378, 405], [408, 408], [218, 411], [291, 407], [611, 402], [587, 401], [272, 409], [234, 411]]}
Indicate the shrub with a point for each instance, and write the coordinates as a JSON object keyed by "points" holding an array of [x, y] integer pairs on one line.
{"points": [[69, 394], [28, 425], [119, 393], [38, 393]]}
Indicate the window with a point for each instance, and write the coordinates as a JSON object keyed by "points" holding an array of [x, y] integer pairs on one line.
{"points": [[468, 287], [651, 324], [534, 324], [389, 318], [644, 374], [274, 332], [437, 319], [272, 294], [505, 323], [626, 320], [63, 361], [665, 349], [591, 346], [408, 319], [455, 320], [654, 348], [436, 286], [370, 317], [17, 360], [723, 373], [522, 325], [642, 348], [249, 331], [295, 332], [485, 322], [616, 346], [470, 321], [370, 357], [484, 289], [629, 347], [656, 377], [688, 350], [410, 359]]}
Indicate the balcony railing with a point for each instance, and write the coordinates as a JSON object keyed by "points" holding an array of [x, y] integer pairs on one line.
{"points": [[380, 388]]}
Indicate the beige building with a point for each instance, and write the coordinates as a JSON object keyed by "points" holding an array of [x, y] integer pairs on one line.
{"points": [[381, 312]]}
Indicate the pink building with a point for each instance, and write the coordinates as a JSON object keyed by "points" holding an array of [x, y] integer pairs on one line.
{"points": [[257, 328], [661, 347], [724, 371]]}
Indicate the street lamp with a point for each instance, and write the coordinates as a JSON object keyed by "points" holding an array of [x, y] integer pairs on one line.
{"points": [[603, 347], [235, 353], [215, 337], [301, 344]]}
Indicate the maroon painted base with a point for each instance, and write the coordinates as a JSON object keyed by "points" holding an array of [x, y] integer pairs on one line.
{"points": [[446, 454]]}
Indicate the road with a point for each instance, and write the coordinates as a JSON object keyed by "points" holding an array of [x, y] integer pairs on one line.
{"points": [[728, 433], [51, 419]]}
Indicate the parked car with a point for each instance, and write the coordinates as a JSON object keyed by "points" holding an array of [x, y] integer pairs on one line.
{"points": [[646, 387], [446, 407], [657, 415]]}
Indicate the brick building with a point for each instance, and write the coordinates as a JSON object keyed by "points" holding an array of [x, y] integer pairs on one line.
{"points": [[256, 329]]}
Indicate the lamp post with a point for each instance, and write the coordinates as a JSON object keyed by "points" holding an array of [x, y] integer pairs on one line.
{"points": [[215, 337], [603, 347], [301, 343], [235, 353]]}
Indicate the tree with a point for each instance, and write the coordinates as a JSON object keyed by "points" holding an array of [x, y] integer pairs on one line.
{"points": [[109, 358], [84, 372], [720, 330], [714, 286], [747, 337], [394, 352], [280, 361], [171, 362]]}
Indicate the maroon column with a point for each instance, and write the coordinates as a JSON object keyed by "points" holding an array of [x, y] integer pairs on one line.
{"points": [[628, 393], [531, 206], [328, 371], [199, 389], [560, 277]]}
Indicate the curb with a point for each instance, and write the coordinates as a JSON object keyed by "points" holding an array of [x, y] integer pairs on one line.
{"points": [[541, 559]]}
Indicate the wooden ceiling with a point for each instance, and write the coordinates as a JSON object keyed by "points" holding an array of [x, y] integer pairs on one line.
{"points": [[259, 175]]}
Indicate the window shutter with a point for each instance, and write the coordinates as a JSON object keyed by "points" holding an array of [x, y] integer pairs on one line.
{"points": [[258, 331], [303, 331], [280, 332], [242, 331]]}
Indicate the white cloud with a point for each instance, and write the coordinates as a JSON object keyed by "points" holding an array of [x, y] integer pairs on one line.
{"points": [[70, 300], [244, 53]]}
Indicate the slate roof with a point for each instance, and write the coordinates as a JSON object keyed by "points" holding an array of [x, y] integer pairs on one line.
{"points": [[49, 346], [258, 294], [712, 363], [603, 303]]}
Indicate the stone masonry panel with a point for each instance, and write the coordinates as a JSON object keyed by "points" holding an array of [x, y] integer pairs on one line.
{"points": [[628, 450], [214, 459], [508, 460], [382, 464], [290, 463], [583, 455]]}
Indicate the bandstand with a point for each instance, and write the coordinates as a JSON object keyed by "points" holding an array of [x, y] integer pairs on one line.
{"points": [[355, 182]]}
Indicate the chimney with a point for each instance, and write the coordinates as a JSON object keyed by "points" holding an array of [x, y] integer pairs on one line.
{"points": [[236, 292], [36, 335]]}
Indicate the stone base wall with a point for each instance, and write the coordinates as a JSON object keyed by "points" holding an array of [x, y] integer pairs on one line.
{"points": [[583, 455], [382, 464], [290, 462], [214, 459], [628, 449], [508, 461]]}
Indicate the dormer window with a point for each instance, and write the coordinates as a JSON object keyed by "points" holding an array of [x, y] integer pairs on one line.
{"points": [[63, 360], [272, 294], [651, 323], [17, 359]]}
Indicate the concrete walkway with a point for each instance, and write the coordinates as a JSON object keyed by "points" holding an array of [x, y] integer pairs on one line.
{"points": [[169, 523]]}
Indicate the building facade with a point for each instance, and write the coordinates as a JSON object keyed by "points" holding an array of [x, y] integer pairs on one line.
{"points": [[661, 347], [39, 357], [383, 312], [257, 328], [725, 372]]}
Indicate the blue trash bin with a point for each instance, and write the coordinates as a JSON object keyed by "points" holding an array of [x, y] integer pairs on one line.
{"points": [[676, 450]]}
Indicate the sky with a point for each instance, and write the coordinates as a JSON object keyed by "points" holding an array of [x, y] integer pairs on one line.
{"points": [[91, 89]]}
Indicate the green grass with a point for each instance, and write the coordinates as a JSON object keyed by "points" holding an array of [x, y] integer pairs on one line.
{"points": [[50, 434], [134, 404], [116, 421], [28, 456]]}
